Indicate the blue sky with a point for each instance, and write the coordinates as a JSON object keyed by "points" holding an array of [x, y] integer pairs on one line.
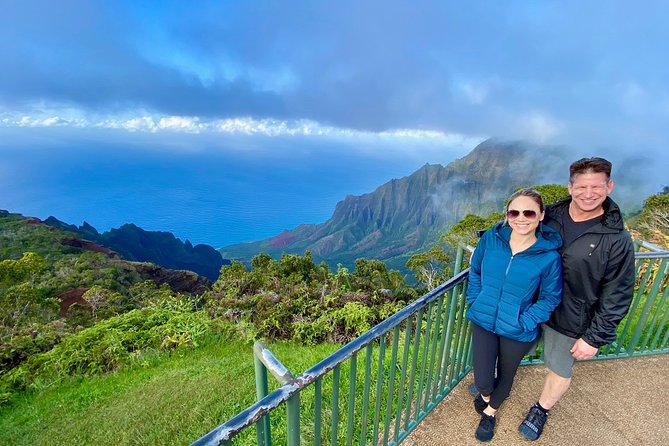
{"points": [[340, 96]]}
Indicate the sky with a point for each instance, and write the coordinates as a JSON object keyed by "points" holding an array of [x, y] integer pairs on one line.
{"points": [[228, 121]]}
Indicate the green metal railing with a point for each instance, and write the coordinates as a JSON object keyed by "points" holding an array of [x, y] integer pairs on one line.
{"points": [[376, 389], [645, 329]]}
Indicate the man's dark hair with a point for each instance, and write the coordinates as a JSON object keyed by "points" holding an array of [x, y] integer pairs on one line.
{"points": [[595, 165]]}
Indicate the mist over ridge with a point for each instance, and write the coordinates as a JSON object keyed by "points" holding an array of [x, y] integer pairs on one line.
{"points": [[408, 214]]}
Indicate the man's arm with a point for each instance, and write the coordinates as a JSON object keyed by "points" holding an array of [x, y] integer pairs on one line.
{"points": [[616, 296]]}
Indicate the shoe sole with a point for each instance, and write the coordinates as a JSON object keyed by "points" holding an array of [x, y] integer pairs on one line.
{"points": [[481, 440]]}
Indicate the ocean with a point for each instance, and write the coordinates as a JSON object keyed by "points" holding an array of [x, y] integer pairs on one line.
{"points": [[208, 194]]}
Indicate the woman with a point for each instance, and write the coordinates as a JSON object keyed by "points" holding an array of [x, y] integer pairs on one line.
{"points": [[515, 282]]}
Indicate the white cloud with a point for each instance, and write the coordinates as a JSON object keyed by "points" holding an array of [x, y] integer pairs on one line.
{"points": [[142, 123], [28, 121], [180, 123], [640, 101], [145, 122], [539, 127]]}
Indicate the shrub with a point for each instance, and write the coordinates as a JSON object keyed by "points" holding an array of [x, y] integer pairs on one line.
{"points": [[109, 344]]}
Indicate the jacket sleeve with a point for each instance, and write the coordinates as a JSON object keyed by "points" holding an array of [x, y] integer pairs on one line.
{"points": [[550, 295], [616, 294], [474, 285]]}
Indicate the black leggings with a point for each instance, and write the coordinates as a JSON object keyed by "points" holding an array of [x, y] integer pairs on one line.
{"points": [[492, 351]]}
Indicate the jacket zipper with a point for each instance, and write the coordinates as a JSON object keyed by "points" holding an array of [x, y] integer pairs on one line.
{"points": [[506, 273]]}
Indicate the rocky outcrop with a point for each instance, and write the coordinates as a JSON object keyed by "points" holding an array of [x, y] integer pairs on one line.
{"points": [[70, 297], [181, 281], [88, 246]]}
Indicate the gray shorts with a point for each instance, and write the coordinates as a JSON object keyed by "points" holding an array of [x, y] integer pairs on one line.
{"points": [[557, 356]]}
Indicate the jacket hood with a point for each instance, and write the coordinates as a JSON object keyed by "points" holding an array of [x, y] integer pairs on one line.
{"points": [[548, 239], [612, 217]]}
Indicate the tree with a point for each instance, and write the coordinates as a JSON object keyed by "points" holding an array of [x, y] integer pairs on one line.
{"points": [[27, 267], [234, 280], [23, 306], [430, 267], [264, 261], [299, 268], [551, 193], [466, 230], [654, 219], [104, 303]]}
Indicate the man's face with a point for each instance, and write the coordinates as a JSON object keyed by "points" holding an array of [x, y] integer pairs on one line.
{"points": [[589, 190]]}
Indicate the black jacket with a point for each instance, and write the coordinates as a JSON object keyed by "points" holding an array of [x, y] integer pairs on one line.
{"points": [[598, 276]]}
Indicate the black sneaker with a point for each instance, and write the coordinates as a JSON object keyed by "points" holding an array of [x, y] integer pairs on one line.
{"points": [[533, 424], [479, 404], [486, 428]]}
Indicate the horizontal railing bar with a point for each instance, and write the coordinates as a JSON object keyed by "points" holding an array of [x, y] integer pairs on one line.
{"points": [[654, 253], [650, 246], [651, 255], [275, 367], [248, 416]]}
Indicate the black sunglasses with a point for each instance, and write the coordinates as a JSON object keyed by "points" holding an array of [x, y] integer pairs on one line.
{"points": [[527, 213]]}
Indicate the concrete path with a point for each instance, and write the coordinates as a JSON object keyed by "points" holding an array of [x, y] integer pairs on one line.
{"points": [[619, 402]]}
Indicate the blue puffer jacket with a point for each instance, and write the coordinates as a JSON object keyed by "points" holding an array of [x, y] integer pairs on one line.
{"points": [[502, 287]]}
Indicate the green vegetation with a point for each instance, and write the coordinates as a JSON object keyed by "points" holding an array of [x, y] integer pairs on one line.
{"points": [[92, 351], [653, 221], [116, 318], [551, 193], [171, 398], [293, 298], [431, 267]]}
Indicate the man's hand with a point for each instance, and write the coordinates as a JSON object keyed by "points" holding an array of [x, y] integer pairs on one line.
{"points": [[583, 350]]}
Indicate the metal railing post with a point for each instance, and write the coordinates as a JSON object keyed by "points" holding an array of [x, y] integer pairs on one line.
{"points": [[262, 425], [293, 419]]}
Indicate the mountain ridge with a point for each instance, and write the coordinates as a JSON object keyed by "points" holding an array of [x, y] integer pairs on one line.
{"points": [[159, 247], [404, 215]]}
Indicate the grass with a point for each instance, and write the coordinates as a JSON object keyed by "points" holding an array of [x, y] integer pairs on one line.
{"points": [[176, 398], [169, 399]]}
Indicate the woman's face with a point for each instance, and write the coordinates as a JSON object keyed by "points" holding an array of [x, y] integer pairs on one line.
{"points": [[523, 215]]}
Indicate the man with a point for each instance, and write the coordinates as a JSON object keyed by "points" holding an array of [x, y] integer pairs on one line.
{"points": [[598, 281]]}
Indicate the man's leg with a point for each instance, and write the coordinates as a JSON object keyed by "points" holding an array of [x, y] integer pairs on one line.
{"points": [[559, 362], [555, 387]]}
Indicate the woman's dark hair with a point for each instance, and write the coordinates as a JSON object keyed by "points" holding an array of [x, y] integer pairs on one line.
{"points": [[595, 165], [527, 192]]}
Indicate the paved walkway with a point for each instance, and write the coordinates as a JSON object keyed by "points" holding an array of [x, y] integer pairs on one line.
{"points": [[619, 402]]}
